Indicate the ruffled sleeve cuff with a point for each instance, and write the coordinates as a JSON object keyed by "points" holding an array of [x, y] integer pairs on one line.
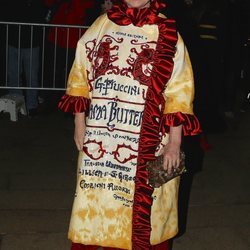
{"points": [[74, 104], [190, 123]]}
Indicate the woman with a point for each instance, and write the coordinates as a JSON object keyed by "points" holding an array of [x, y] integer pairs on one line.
{"points": [[131, 89]]}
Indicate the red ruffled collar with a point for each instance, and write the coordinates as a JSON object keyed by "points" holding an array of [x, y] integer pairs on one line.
{"points": [[121, 14]]}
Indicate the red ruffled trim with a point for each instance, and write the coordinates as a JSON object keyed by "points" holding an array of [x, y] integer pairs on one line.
{"points": [[151, 123], [122, 15], [190, 123], [74, 104], [149, 138]]}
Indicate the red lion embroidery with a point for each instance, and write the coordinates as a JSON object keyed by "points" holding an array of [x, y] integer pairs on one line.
{"points": [[141, 66], [102, 56]]}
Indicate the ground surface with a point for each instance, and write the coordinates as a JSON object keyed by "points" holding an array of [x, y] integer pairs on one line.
{"points": [[37, 179]]}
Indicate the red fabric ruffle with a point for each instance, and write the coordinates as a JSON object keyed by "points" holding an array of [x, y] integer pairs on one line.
{"points": [[74, 104], [149, 137], [190, 123], [122, 15]]}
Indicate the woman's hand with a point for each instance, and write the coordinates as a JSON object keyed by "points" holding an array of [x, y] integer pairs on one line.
{"points": [[80, 129], [171, 152], [171, 157]]}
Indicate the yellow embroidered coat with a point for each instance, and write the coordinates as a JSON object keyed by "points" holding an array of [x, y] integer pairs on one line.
{"points": [[110, 81]]}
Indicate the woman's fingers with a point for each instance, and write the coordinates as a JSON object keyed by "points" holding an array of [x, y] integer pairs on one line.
{"points": [[170, 166], [177, 162], [171, 158], [169, 163]]}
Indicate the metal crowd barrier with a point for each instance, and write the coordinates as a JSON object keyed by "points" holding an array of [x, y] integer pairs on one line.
{"points": [[47, 75]]}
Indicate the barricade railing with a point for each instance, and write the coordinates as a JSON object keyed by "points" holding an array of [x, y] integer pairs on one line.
{"points": [[41, 53]]}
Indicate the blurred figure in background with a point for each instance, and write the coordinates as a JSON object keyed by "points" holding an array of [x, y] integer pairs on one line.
{"points": [[212, 31], [245, 73], [187, 15], [24, 64], [62, 41], [211, 23], [233, 59]]}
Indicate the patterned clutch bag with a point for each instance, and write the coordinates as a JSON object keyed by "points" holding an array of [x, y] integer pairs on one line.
{"points": [[158, 175]]}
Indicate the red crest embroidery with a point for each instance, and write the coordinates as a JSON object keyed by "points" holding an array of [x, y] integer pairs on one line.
{"points": [[141, 66]]}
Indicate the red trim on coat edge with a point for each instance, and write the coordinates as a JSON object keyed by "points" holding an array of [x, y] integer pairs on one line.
{"points": [[149, 138], [74, 104], [190, 123]]}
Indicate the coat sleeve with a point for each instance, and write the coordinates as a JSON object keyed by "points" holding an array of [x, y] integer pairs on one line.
{"points": [[179, 94], [77, 99], [78, 94]]}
